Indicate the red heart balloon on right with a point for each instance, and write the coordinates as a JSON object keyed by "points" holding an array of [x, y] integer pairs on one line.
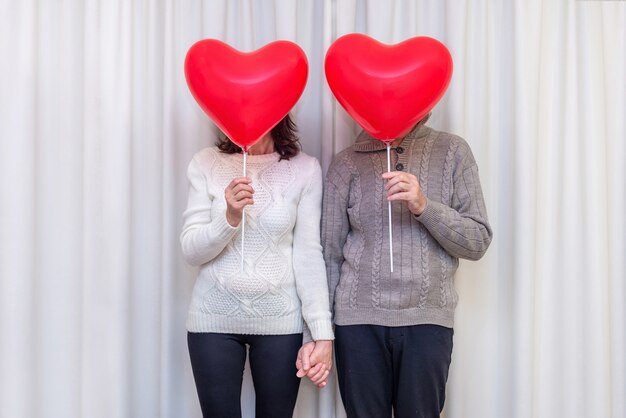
{"points": [[387, 89]]}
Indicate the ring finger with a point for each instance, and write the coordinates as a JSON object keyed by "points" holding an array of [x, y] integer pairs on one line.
{"points": [[240, 187], [398, 188], [242, 194], [320, 378]]}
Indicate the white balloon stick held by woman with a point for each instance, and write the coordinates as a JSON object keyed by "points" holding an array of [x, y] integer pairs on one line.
{"points": [[389, 209], [243, 213]]}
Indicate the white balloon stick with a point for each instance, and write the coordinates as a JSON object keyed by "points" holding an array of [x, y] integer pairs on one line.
{"points": [[243, 215], [389, 210]]}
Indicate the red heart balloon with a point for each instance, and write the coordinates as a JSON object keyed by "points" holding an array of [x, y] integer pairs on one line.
{"points": [[246, 93], [387, 89]]}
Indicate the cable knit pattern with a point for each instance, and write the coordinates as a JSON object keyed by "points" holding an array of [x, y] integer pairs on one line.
{"points": [[447, 170], [453, 225], [358, 244], [423, 180], [378, 231], [283, 277]]}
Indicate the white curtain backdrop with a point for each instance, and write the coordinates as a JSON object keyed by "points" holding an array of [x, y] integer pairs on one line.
{"points": [[97, 127]]}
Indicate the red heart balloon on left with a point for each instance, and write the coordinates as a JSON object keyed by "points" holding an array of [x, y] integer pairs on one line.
{"points": [[246, 93]]}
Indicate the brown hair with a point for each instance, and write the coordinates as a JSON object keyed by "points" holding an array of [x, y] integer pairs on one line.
{"points": [[285, 137]]}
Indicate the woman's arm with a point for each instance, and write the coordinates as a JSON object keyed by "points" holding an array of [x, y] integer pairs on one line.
{"points": [[202, 238], [308, 262]]}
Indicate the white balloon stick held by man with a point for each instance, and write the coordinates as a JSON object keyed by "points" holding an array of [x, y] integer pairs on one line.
{"points": [[389, 209]]}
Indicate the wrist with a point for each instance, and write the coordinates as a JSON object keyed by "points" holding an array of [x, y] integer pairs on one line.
{"points": [[234, 219], [420, 206]]}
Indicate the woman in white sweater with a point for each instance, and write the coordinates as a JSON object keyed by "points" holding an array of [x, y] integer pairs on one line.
{"points": [[278, 299]]}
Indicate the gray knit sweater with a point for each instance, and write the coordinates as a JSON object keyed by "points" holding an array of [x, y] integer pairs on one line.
{"points": [[426, 248]]}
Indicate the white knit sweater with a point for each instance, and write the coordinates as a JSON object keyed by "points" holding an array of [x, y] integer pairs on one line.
{"points": [[284, 276]]}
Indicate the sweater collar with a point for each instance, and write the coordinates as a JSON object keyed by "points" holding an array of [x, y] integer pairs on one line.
{"points": [[366, 143]]}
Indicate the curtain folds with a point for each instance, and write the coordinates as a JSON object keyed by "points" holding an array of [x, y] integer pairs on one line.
{"points": [[97, 127]]}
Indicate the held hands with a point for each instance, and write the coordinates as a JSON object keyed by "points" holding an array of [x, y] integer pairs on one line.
{"points": [[405, 187], [238, 195], [315, 360]]}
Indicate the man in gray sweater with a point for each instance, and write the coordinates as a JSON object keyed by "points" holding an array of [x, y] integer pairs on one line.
{"points": [[394, 330]]}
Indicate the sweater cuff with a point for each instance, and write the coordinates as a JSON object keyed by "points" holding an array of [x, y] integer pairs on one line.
{"points": [[306, 334], [223, 230], [321, 329], [431, 216]]}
